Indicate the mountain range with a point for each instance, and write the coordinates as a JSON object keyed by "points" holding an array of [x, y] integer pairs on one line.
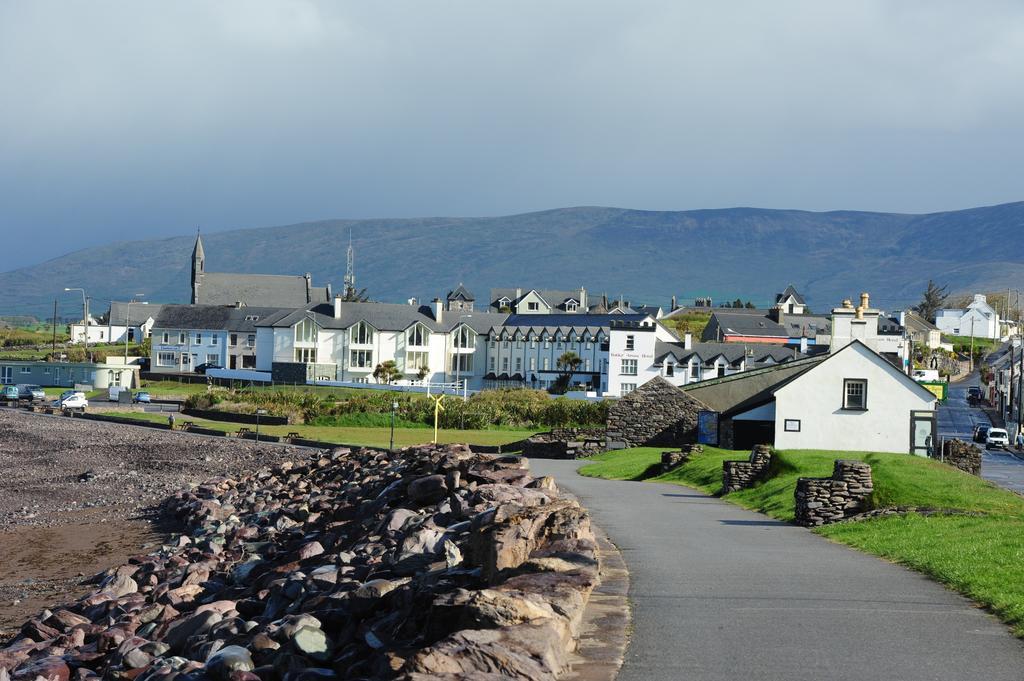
{"points": [[645, 256]]}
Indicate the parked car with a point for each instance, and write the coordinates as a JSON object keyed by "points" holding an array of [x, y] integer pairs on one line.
{"points": [[9, 392], [206, 366], [142, 397], [71, 399], [997, 438], [30, 392], [981, 432], [973, 395]]}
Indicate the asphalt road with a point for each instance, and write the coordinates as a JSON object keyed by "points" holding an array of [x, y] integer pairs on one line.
{"points": [[957, 419], [722, 594]]}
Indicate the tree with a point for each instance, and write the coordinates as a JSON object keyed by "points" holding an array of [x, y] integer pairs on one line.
{"points": [[351, 295], [934, 298], [422, 373], [386, 372], [749, 305], [566, 364]]}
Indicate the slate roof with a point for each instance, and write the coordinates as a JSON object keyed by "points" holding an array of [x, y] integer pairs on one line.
{"points": [[556, 299], [790, 291], [273, 290], [563, 323], [386, 317], [461, 292], [140, 312], [756, 353], [747, 323], [916, 322], [798, 325], [747, 389], [213, 317]]}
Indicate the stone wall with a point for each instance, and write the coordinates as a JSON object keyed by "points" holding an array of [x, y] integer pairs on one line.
{"points": [[672, 460], [655, 414], [565, 443], [962, 455], [737, 475], [825, 500]]}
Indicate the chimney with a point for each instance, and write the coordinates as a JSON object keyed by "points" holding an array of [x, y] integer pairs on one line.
{"points": [[847, 304], [337, 307], [673, 304], [438, 309], [412, 301], [688, 341], [583, 299], [803, 344], [864, 298]]}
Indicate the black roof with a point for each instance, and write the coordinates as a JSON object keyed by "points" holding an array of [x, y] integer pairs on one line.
{"points": [[790, 291], [214, 317], [460, 292]]}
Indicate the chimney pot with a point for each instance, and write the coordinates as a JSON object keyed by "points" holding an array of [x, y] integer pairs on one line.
{"points": [[337, 307], [864, 299]]}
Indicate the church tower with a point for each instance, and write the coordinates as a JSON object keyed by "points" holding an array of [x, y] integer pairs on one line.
{"points": [[198, 265]]}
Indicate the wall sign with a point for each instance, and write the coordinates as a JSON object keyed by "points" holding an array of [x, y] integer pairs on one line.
{"points": [[792, 426], [707, 427]]}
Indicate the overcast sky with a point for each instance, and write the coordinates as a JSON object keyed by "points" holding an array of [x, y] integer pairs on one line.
{"points": [[136, 119]]}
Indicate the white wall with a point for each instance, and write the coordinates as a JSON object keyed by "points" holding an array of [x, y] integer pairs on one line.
{"points": [[816, 399]]}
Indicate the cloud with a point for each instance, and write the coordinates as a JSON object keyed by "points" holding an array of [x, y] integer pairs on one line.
{"points": [[135, 118]]}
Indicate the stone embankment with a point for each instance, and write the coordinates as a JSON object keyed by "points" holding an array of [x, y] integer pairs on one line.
{"points": [[828, 500], [430, 563], [962, 455], [565, 443], [737, 475], [672, 460]]}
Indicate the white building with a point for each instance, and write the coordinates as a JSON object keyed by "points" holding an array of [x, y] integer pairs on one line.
{"points": [[869, 326], [135, 318], [979, 320]]}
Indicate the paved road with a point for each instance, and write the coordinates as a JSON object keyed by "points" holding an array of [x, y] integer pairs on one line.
{"points": [[957, 419], [723, 594]]}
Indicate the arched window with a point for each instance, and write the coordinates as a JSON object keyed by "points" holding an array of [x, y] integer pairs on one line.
{"points": [[418, 336], [361, 334], [305, 332]]}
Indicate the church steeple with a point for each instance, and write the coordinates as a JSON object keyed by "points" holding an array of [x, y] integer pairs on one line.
{"points": [[198, 265]]}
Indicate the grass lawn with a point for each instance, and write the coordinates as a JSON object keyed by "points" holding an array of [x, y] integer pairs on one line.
{"points": [[373, 437], [178, 389], [980, 557]]}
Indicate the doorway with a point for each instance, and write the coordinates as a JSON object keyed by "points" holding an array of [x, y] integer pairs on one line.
{"points": [[922, 433]]}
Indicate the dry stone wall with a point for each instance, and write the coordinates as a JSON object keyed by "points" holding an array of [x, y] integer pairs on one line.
{"points": [[655, 414], [672, 460], [962, 455], [827, 500], [737, 475], [565, 443], [429, 563]]}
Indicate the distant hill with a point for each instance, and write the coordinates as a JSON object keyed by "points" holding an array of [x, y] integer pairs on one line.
{"points": [[647, 256]]}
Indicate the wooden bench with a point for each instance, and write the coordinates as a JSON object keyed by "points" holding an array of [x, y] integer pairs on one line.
{"points": [[293, 435], [244, 431], [187, 424]]}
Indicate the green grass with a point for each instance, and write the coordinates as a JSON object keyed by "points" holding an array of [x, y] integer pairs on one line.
{"points": [[171, 388], [978, 556], [371, 437]]}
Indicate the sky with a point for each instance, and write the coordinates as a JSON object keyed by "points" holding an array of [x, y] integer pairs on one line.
{"points": [[140, 119]]}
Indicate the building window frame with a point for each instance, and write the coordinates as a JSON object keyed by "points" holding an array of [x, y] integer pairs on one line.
{"points": [[630, 342], [628, 367], [855, 394]]}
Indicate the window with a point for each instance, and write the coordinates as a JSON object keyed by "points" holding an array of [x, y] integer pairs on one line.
{"points": [[533, 307], [213, 359], [571, 306], [250, 340], [181, 337], [305, 355], [361, 359], [507, 345], [167, 338], [252, 317], [213, 339], [630, 342], [504, 364], [547, 363], [519, 365], [414, 361], [547, 341], [464, 338], [462, 364], [418, 336], [493, 344], [26, 370], [165, 359], [670, 369], [199, 338], [305, 333], [533, 364], [361, 334], [490, 363], [586, 364], [626, 389], [694, 370], [628, 367], [233, 340], [855, 393], [248, 361]]}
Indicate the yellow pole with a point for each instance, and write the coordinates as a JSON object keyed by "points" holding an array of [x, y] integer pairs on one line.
{"points": [[437, 409]]}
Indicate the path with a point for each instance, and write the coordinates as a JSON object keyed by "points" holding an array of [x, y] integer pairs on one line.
{"points": [[721, 594]]}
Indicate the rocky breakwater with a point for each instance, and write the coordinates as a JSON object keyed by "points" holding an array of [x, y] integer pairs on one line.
{"points": [[430, 563]]}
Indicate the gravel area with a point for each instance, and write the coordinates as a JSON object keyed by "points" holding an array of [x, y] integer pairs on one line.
{"points": [[77, 497]]}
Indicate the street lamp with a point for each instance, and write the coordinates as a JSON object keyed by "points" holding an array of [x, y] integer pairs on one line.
{"points": [[394, 408], [259, 412], [85, 316], [127, 326]]}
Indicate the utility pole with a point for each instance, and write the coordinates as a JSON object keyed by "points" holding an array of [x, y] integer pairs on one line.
{"points": [[1013, 365], [55, 328], [972, 343]]}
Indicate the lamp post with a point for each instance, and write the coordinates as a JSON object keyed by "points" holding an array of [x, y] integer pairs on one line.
{"points": [[394, 408], [127, 326], [259, 412], [85, 316]]}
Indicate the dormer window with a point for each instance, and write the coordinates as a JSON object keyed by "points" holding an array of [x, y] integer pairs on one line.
{"points": [[361, 334], [417, 336], [571, 305]]}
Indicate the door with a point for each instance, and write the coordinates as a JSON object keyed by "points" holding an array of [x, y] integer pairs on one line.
{"points": [[6, 375], [922, 433]]}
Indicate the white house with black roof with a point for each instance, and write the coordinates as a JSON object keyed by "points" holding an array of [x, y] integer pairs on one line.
{"points": [[186, 336]]}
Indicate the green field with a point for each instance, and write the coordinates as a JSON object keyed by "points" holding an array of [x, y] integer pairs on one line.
{"points": [[172, 388], [979, 556], [371, 437]]}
